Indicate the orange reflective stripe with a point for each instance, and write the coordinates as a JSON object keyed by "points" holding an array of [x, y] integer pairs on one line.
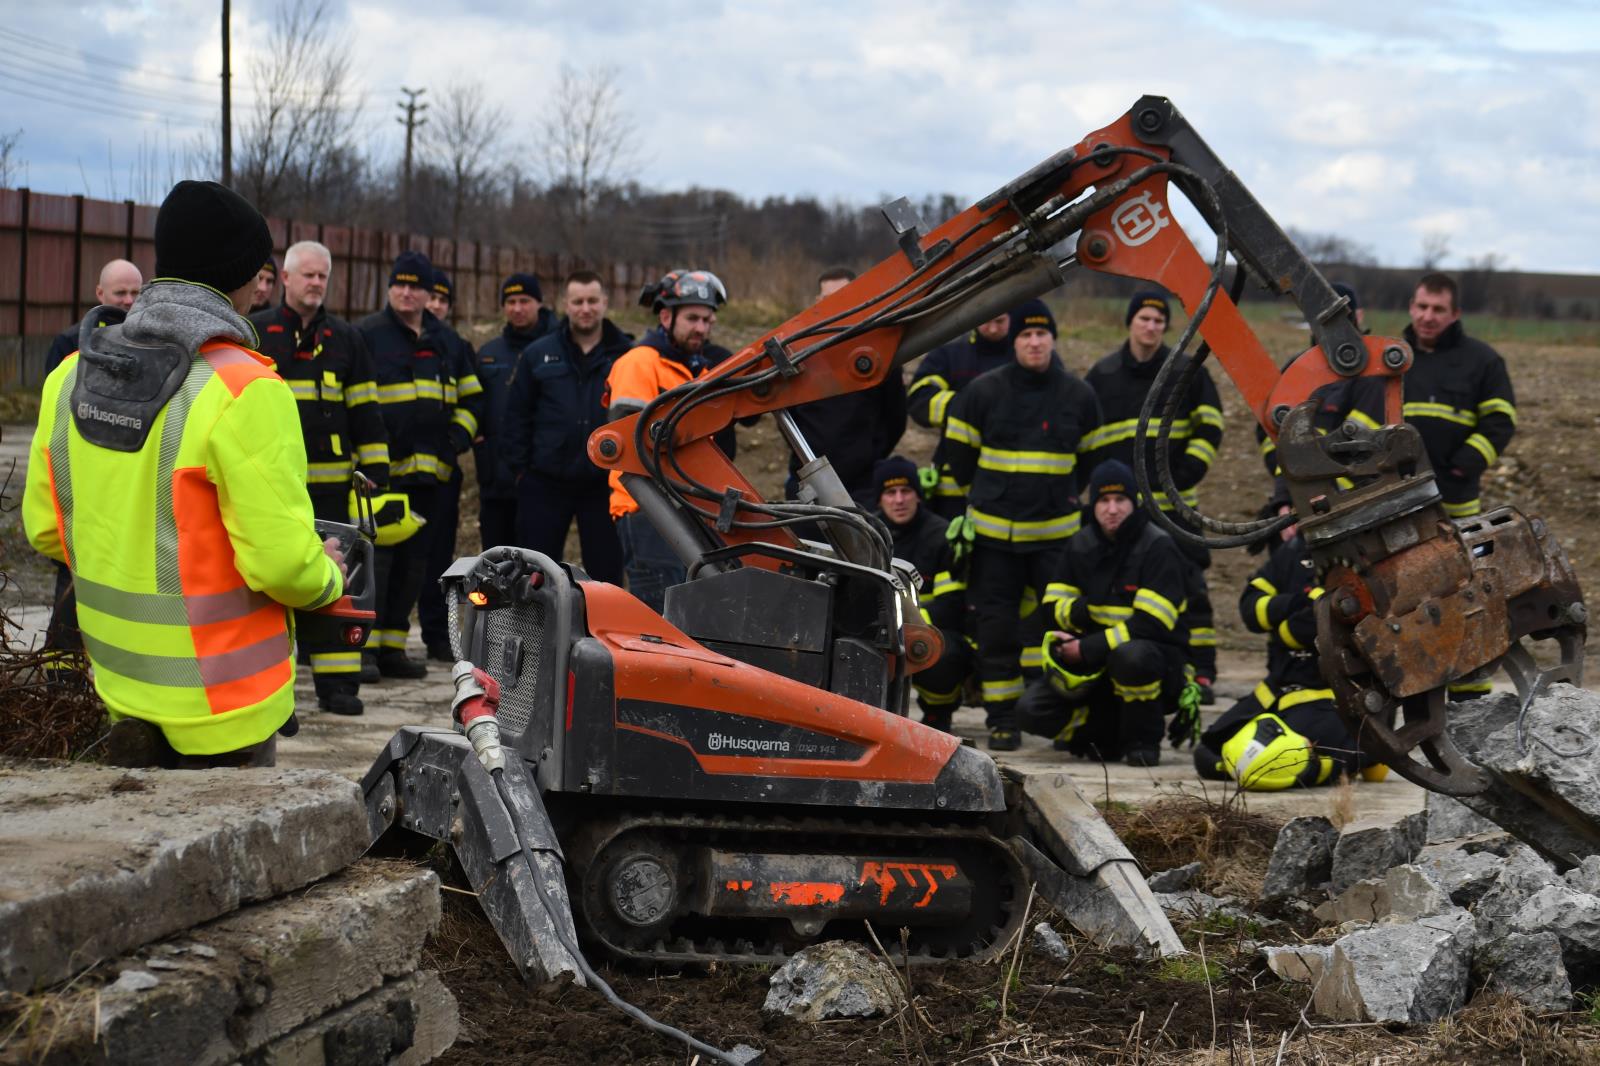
{"points": [[55, 502], [237, 367]]}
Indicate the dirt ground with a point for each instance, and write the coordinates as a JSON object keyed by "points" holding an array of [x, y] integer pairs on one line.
{"points": [[1103, 1007]]}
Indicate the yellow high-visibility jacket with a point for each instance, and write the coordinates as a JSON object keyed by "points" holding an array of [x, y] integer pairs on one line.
{"points": [[187, 553]]}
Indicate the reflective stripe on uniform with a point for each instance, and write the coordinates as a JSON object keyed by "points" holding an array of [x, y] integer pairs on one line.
{"points": [[1202, 637], [1465, 509], [1108, 614], [1013, 462], [360, 393], [400, 392], [429, 389], [1006, 689], [1202, 450], [372, 454], [1136, 693], [939, 405], [1157, 606], [466, 420], [1481, 445], [998, 528], [335, 662], [1497, 407], [1304, 695], [1268, 590], [1425, 409], [1116, 636], [963, 432]]}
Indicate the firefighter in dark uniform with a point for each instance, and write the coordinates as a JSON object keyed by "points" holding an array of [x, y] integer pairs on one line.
{"points": [[939, 379], [324, 359], [526, 320], [1012, 440], [1287, 732], [555, 399], [470, 403], [1121, 381], [919, 539], [427, 428], [1114, 666]]}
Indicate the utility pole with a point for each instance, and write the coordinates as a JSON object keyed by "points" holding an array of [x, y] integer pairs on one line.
{"points": [[227, 98], [412, 123]]}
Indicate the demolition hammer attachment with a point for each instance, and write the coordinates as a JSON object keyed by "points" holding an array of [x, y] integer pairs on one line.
{"points": [[1414, 601]]}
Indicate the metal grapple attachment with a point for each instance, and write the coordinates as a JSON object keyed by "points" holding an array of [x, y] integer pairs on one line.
{"points": [[1415, 602]]}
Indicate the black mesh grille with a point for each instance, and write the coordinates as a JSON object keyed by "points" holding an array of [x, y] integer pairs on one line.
{"points": [[517, 704]]}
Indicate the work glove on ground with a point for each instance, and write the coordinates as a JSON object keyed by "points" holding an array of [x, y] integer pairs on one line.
{"points": [[1184, 729]]}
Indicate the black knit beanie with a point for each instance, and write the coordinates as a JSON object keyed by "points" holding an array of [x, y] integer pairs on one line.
{"points": [[1148, 298], [893, 471], [1113, 475], [520, 285], [442, 286], [1032, 314], [208, 233]]}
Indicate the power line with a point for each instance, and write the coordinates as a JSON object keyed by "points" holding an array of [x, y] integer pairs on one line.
{"points": [[96, 107], [56, 46]]}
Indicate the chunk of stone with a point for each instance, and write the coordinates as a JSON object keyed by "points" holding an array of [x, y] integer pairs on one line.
{"points": [[1465, 875], [1047, 942], [1367, 848], [90, 868], [1364, 901], [1407, 973], [1546, 791], [1574, 918], [1526, 966], [267, 970], [1302, 858], [835, 979], [1450, 819], [1523, 874], [1176, 879], [1414, 892], [1585, 877], [1300, 963], [408, 1021]]}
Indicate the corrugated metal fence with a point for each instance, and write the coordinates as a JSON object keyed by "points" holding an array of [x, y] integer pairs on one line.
{"points": [[52, 249]]}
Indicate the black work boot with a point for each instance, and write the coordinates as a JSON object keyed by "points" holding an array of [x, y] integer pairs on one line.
{"points": [[339, 699], [439, 651], [369, 669], [939, 720], [1004, 738], [394, 663], [137, 744]]}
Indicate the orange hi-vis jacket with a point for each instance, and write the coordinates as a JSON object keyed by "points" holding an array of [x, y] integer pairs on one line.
{"points": [[639, 376], [187, 551]]}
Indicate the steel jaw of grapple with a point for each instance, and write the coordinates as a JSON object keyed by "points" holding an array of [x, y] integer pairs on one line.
{"points": [[1080, 866], [429, 782], [1415, 601]]}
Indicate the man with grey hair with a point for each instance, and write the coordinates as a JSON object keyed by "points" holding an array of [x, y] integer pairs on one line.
{"points": [[119, 285], [325, 361]]}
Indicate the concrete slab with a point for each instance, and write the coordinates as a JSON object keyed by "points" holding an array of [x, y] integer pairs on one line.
{"points": [[237, 984], [95, 861], [405, 1023]]}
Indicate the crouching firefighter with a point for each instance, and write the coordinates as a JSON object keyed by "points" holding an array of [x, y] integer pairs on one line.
{"points": [[1115, 667], [1287, 732], [168, 472]]}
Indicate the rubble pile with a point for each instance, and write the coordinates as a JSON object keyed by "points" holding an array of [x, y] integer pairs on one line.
{"points": [[208, 917]]}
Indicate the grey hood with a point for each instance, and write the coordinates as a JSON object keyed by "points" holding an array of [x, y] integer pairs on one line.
{"points": [[167, 312]]}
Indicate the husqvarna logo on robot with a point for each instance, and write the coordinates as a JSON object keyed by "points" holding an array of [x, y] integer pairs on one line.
{"points": [[724, 742]]}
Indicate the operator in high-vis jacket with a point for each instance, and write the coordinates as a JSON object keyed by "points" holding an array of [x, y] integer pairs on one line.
{"points": [[168, 472]]}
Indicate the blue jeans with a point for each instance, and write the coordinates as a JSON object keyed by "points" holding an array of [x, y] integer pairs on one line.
{"points": [[651, 564]]}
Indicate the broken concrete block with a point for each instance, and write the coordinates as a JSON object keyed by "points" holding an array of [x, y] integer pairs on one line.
{"points": [[1047, 942], [1526, 966], [1548, 798], [151, 852], [1414, 892], [1367, 848], [1364, 901], [1300, 963], [1574, 918], [407, 1022], [1523, 874], [1450, 819], [1585, 877], [268, 969], [1302, 858], [1465, 875], [834, 979], [1408, 973], [1176, 879]]}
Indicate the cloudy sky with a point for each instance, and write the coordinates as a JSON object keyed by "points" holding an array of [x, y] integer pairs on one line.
{"points": [[1384, 122]]}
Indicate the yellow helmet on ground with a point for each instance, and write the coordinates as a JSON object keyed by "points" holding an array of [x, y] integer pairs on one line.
{"points": [[391, 513], [1265, 755], [1061, 679]]}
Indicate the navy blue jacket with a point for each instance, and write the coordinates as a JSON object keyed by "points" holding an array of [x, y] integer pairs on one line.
{"points": [[555, 398], [496, 360]]}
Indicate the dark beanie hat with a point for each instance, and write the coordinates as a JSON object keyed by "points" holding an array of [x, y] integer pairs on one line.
{"points": [[1113, 475], [442, 286], [1148, 298], [894, 471], [1033, 314], [208, 233], [1349, 293], [411, 268], [271, 267], [521, 285]]}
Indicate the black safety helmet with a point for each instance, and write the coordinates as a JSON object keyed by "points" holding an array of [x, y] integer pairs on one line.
{"points": [[681, 288]]}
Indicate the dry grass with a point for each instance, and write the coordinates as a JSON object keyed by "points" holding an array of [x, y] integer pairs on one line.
{"points": [[1232, 843]]}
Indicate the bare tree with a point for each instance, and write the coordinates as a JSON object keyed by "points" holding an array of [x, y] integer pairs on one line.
{"points": [[1435, 246], [587, 144], [463, 139], [9, 163], [302, 116]]}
